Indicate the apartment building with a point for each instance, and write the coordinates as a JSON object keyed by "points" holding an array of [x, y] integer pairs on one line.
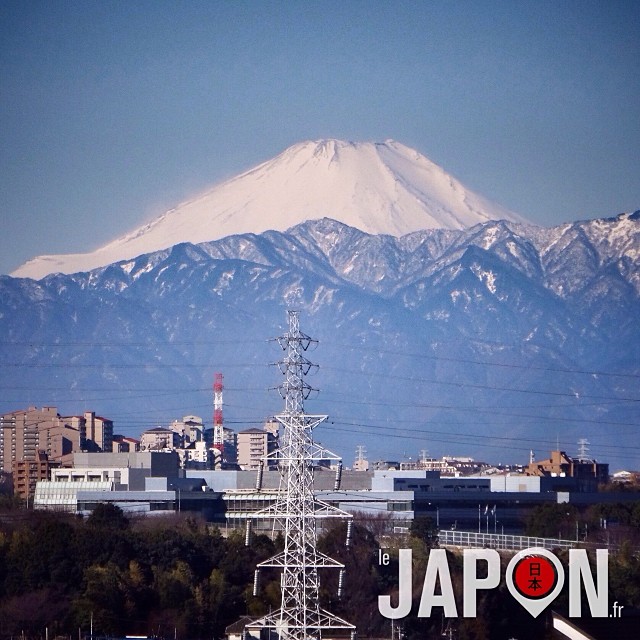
{"points": [[99, 432], [159, 439], [192, 442], [64, 439], [124, 444], [32, 440], [24, 433], [253, 446], [27, 473], [190, 429], [196, 456]]}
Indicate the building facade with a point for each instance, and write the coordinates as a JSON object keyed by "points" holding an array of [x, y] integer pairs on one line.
{"points": [[99, 432], [32, 441], [159, 439], [105, 474], [190, 429], [253, 446], [27, 473], [124, 444], [560, 465], [27, 433]]}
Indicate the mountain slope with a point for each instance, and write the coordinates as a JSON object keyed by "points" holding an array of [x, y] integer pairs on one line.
{"points": [[379, 188], [487, 341]]}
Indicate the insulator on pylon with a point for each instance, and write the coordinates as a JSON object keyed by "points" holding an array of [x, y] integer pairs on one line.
{"points": [[336, 485], [259, 476], [247, 535], [340, 582], [354, 635], [256, 582], [348, 541]]}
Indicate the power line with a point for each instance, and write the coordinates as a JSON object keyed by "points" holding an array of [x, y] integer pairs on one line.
{"points": [[471, 440], [387, 376], [486, 363], [390, 431], [145, 365], [577, 400], [124, 345], [351, 347], [485, 387]]}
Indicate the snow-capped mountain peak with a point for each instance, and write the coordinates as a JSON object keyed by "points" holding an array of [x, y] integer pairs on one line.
{"points": [[379, 188]]}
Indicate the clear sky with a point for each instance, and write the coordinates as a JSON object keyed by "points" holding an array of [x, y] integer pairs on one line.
{"points": [[113, 111]]}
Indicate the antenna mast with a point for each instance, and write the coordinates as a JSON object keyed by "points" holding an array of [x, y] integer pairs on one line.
{"points": [[296, 510], [218, 428]]}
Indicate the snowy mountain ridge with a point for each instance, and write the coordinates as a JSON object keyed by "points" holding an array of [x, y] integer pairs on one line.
{"points": [[490, 331], [379, 188], [376, 262]]}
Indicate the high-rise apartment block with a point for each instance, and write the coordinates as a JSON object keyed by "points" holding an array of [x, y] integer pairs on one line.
{"points": [[253, 446], [32, 439], [99, 432], [24, 433]]}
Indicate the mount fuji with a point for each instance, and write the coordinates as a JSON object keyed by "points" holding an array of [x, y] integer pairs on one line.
{"points": [[444, 321], [378, 188]]}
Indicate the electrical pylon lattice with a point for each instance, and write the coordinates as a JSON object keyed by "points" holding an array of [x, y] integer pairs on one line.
{"points": [[296, 511]]}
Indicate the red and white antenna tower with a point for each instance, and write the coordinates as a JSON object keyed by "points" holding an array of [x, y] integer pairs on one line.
{"points": [[218, 430]]}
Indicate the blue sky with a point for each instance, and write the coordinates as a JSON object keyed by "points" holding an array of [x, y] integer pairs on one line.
{"points": [[114, 111]]}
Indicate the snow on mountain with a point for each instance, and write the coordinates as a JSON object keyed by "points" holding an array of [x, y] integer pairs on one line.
{"points": [[379, 188], [471, 336]]}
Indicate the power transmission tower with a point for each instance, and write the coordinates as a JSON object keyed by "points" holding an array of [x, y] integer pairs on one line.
{"points": [[296, 511], [583, 451]]}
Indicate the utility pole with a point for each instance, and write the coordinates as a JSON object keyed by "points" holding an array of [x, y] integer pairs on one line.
{"points": [[296, 510]]}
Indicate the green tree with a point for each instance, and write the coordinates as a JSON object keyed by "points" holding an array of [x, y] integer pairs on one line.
{"points": [[108, 516], [553, 520], [25, 571], [364, 578], [103, 598], [424, 528], [624, 576], [139, 595]]}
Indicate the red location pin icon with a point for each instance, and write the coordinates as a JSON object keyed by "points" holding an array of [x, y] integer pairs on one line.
{"points": [[535, 578]]}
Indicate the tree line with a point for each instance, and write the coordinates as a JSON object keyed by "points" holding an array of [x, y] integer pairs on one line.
{"points": [[178, 577]]}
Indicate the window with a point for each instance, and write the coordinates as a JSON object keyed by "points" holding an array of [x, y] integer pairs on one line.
{"points": [[399, 505]]}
